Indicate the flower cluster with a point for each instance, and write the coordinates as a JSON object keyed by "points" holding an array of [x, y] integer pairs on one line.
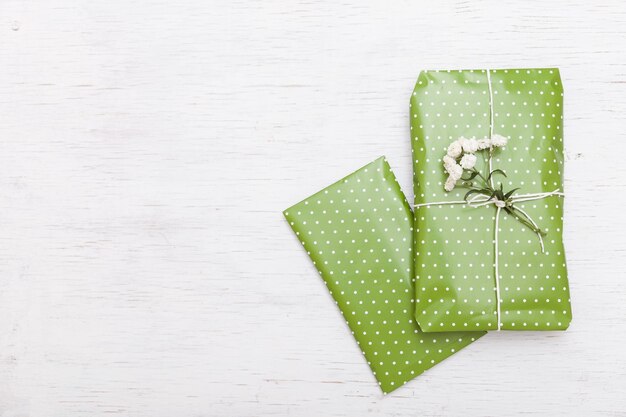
{"points": [[461, 156]]}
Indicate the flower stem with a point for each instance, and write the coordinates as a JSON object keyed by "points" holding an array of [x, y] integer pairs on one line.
{"points": [[525, 221], [481, 176]]}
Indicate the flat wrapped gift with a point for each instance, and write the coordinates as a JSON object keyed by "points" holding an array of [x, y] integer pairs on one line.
{"points": [[358, 233], [488, 182]]}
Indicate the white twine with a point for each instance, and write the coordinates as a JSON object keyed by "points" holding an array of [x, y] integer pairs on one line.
{"points": [[490, 103], [495, 263], [481, 200], [490, 120]]}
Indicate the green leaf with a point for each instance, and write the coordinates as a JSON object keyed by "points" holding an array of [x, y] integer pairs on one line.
{"points": [[499, 193], [470, 192], [472, 176], [510, 193], [496, 171], [484, 191]]}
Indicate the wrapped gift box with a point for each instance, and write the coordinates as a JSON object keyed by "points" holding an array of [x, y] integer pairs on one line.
{"points": [[358, 233], [521, 112]]}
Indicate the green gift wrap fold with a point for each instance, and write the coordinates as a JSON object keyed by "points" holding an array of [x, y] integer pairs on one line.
{"points": [[358, 233], [516, 117]]}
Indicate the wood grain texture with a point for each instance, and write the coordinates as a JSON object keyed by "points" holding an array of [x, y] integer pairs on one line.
{"points": [[148, 148]]}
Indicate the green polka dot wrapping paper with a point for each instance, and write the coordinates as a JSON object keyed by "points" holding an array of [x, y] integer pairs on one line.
{"points": [[511, 226], [358, 233]]}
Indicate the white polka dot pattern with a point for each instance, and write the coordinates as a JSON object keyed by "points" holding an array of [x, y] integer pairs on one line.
{"points": [[358, 233], [454, 258]]}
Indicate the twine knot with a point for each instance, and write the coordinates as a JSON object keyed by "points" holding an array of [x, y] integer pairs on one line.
{"points": [[499, 203]]}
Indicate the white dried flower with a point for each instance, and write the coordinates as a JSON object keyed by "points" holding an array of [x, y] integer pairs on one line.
{"points": [[455, 149], [468, 161], [448, 160], [455, 171], [499, 140], [484, 144], [450, 183], [470, 145]]}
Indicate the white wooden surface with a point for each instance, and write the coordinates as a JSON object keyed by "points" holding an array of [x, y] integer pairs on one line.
{"points": [[148, 147]]}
